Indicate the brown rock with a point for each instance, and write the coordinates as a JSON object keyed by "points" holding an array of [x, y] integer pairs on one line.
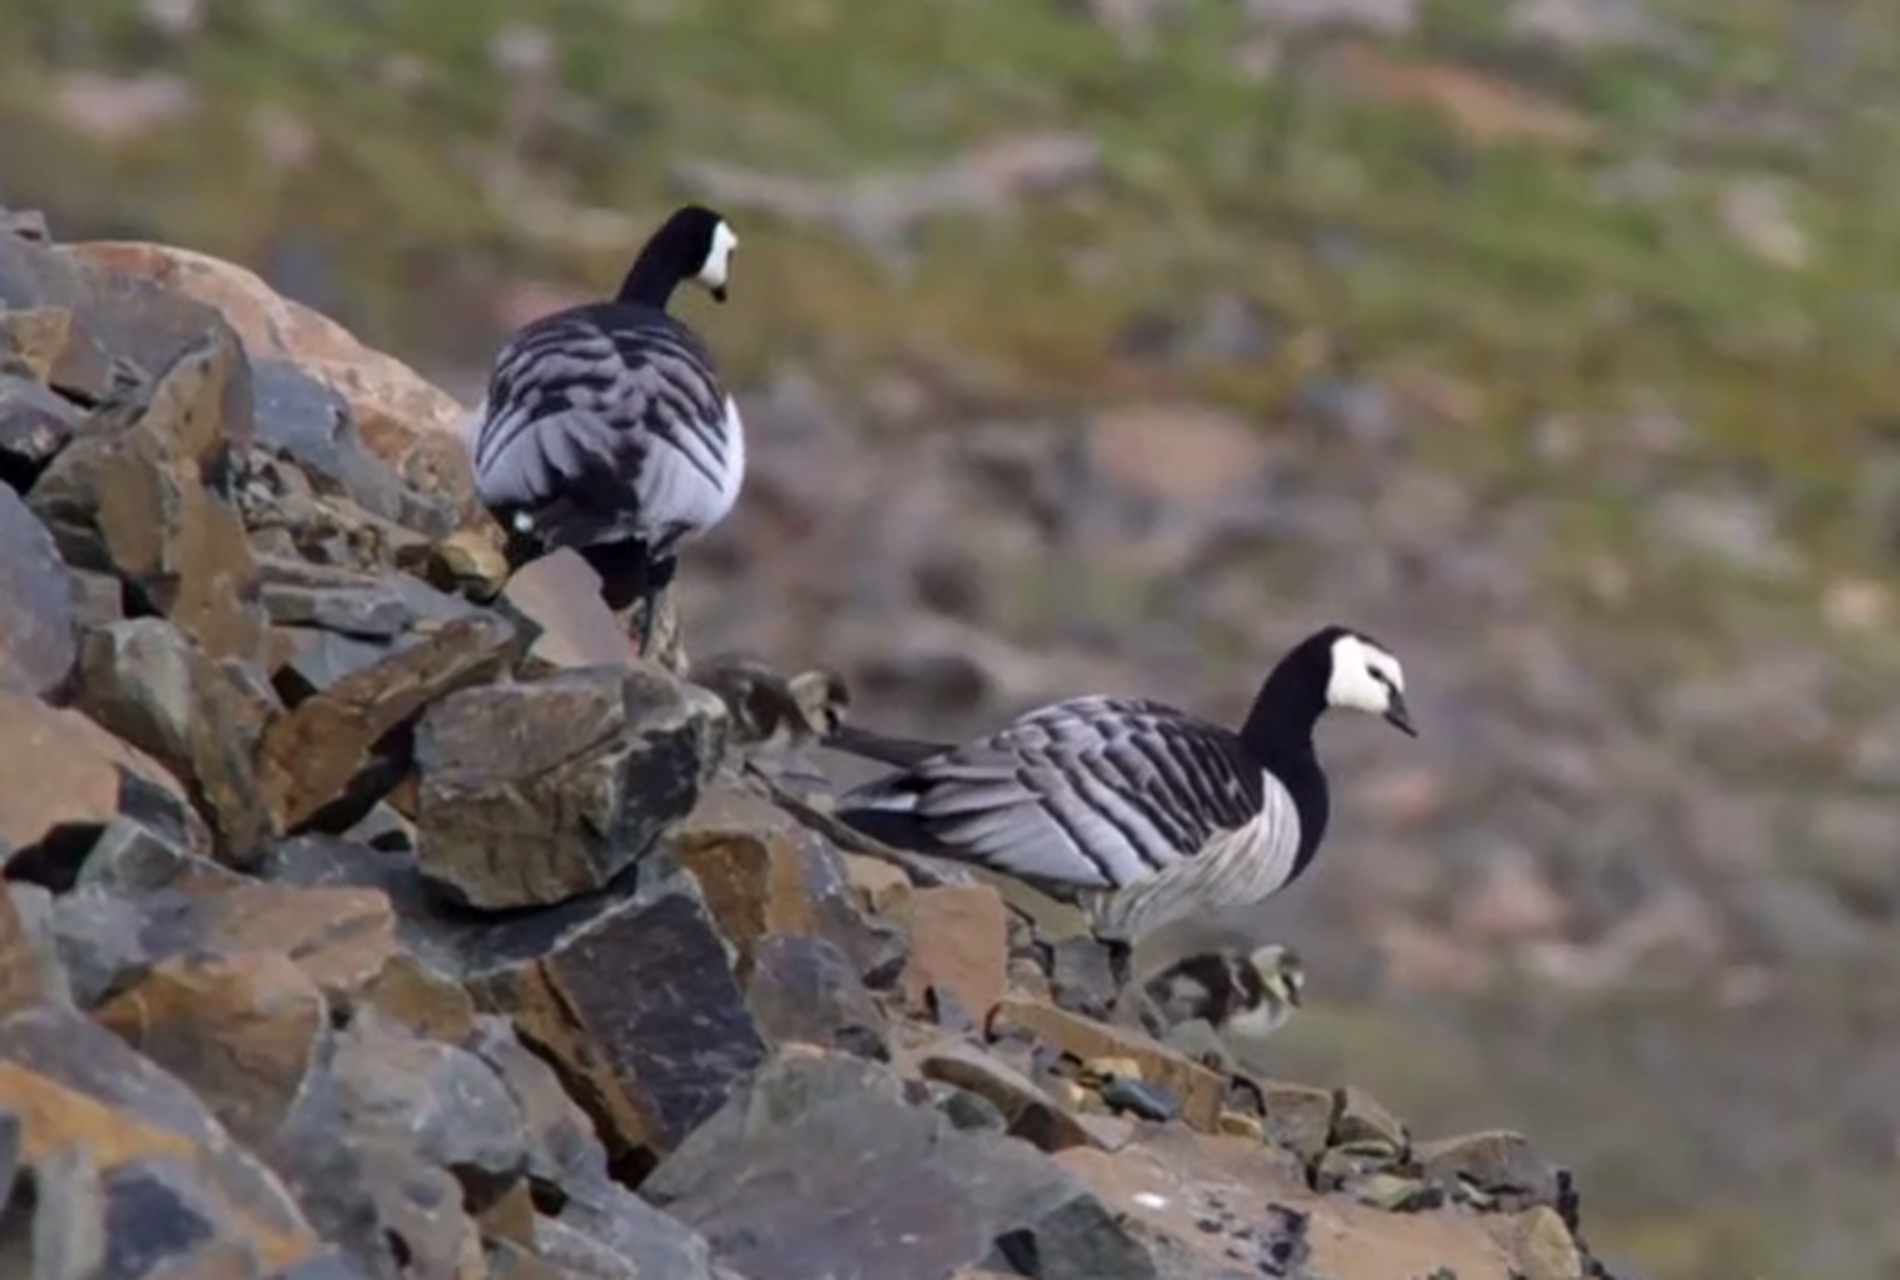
{"points": [[1542, 1245], [37, 624], [64, 772], [1170, 1181], [37, 336], [1198, 1089], [409, 992], [148, 483], [1031, 1113], [408, 422], [533, 793], [1298, 1117], [761, 872], [1498, 1163], [313, 753], [959, 945], [339, 937], [637, 1005], [1359, 1119], [204, 718], [22, 984], [74, 1084], [242, 1030]]}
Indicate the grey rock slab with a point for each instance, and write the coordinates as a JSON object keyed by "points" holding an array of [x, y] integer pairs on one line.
{"points": [[38, 641], [830, 1165]]}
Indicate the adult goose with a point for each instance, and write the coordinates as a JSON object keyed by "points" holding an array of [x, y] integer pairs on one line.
{"points": [[1139, 813], [606, 429]]}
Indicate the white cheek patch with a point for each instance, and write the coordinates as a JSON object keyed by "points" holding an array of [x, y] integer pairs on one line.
{"points": [[1353, 684], [718, 264]]}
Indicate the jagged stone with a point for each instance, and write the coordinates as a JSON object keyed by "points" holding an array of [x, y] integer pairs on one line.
{"points": [[35, 424], [807, 990], [37, 625], [162, 1160], [533, 793], [597, 1216], [832, 1165], [1360, 1119], [23, 984], [144, 494], [1298, 1117], [244, 1031], [203, 718], [1497, 1162], [651, 1058], [763, 873], [340, 937], [67, 780], [313, 753]]}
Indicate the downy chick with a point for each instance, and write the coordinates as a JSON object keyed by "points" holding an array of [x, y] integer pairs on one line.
{"points": [[1221, 1006]]}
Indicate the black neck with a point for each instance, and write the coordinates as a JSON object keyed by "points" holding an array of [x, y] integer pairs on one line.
{"points": [[653, 277], [1279, 728], [1278, 734]]}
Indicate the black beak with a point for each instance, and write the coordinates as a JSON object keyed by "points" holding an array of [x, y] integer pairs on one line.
{"points": [[718, 292], [1398, 716], [1293, 993]]}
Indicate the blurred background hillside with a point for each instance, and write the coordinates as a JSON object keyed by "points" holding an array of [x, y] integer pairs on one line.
{"points": [[1098, 345]]}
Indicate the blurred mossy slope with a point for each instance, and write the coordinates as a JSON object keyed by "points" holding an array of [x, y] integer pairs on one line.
{"points": [[1515, 281]]}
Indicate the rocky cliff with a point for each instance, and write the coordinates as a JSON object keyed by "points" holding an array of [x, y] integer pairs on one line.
{"points": [[362, 922]]}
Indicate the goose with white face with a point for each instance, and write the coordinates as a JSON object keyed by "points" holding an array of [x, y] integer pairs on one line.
{"points": [[717, 268], [1365, 677]]}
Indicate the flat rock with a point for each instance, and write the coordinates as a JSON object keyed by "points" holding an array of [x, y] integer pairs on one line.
{"points": [[827, 1165], [410, 992], [1498, 1163], [37, 640], [1542, 1244], [533, 793], [339, 937], [1028, 1110], [68, 779], [35, 338], [375, 611], [161, 1158], [1298, 1118], [1360, 1119], [243, 1030], [959, 946], [1198, 1089], [312, 754], [806, 990], [1260, 1218], [148, 851], [203, 717], [636, 1003]]}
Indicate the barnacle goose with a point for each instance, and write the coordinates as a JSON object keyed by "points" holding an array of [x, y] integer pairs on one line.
{"points": [[606, 429], [1134, 810], [1221, 1005]]}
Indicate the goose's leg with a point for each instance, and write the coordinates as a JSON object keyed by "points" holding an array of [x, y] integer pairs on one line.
{"points": [[1121, 958]]}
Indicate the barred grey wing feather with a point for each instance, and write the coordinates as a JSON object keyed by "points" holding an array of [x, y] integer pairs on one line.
{"points": [[1094, 793]]}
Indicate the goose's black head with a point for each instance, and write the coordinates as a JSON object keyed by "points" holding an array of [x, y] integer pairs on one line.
{"points": [[1335, 667], [694, 244]]}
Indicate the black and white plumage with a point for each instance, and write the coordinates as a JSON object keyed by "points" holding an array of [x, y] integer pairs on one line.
{"points": [[1136, 811], [606, 428], [1223, 1005], [773, 713]]}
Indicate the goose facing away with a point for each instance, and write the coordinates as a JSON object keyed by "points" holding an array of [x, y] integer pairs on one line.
{"points": [[1138, 812], [606, 428]]}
